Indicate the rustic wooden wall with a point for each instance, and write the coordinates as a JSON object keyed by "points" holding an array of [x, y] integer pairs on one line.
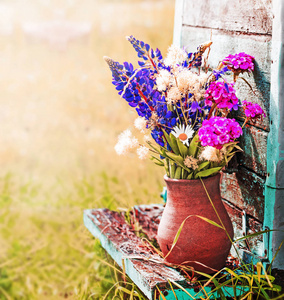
{"points": [[237, 26]]}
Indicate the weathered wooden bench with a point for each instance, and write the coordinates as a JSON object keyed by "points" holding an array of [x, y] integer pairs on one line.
{"points": [[140, 263]]}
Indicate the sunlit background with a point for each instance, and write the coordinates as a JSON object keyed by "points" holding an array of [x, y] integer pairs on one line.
{"points": [[60, 117]]}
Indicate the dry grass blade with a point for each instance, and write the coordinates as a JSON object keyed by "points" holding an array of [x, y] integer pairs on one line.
{"points": [[161, 294], [181, 226], [172, 289]]}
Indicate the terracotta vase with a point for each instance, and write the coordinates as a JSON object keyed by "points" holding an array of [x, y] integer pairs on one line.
{"points": [[201, 244]]}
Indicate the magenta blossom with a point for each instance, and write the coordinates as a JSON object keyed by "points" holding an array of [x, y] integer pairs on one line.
{"points": [[253, 110], [239, 62], [218, 131], [223, 94]]}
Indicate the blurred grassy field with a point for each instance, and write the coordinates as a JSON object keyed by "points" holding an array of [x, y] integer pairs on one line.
{"points": [[60, 117]]}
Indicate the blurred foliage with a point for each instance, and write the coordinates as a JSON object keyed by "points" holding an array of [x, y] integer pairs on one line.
{"points": [[60, 120]]}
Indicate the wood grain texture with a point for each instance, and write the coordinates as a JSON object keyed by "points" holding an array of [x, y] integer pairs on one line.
{"points": [[254, 144], [230, 43], [145, 268], [248, 16], [245, 190], [260, 95], [225, 44], [252, 244]]}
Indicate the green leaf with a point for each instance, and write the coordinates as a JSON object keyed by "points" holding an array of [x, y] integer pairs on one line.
{"points": [[178, 173], [175, 157], [208, 172], [219, 289], [174, 144], [157, 161], [167, 138], [190, 175], [193, 146], [153, 147], [203, 165], [166, 164], [172, 169], [182, 148]]}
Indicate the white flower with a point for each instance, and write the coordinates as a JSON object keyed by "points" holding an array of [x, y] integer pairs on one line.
{"points": [[163, 80], [174, 95], [142, 152], [147, 138], [175, 56], [125, 143], [211, 154], [186, 79], [183, 133], [140, 123]]}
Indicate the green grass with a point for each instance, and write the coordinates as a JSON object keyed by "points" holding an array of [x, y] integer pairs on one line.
{"points": [[46, 252], [60, 117]]}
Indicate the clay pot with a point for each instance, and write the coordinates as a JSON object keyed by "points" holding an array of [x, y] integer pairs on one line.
{"points": [[200, 243]]}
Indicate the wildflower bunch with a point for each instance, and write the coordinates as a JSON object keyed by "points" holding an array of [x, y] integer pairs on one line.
{"points": [[219, 131], [240, 62], [252, 110], [184, 107], [222, 94]]}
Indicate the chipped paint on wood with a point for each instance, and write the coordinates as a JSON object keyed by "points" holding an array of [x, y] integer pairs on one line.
{"points": [[244, 16], [149, 217], [274, 189], [260, 83], [230, 43], [253, 245], [254, 144], [145, 268], [119, 240], [245, 190]]}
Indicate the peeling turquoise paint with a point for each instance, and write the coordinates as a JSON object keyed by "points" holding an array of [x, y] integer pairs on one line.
{"points": [[137, 277], [274, 186]]}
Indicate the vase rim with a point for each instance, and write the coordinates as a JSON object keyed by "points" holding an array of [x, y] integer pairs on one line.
{"points": [[166, 178]]}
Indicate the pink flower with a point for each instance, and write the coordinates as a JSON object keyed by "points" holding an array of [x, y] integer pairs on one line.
{"points": [[253, 110], [240, 62], [223, 94], [218, 131]]}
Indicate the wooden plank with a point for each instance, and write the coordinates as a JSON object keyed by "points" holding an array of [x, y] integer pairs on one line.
{"points": [[261, 95], [179, 8], [274, 192], [230, 43], [225, 44], [243, 15], [116, 237], [145, 268], [253, 245], [254, 144], [245, 190]]}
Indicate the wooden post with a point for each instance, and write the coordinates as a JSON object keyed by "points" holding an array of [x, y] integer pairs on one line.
{"points": [[274, 186]]}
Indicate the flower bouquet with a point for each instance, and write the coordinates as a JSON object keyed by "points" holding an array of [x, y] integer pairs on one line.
{"points": [[186, 106]]}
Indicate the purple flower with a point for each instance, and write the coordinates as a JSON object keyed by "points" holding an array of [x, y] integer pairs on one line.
{"points": [[218, 131], [221, 93], [240, 62], [253, 110]]}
